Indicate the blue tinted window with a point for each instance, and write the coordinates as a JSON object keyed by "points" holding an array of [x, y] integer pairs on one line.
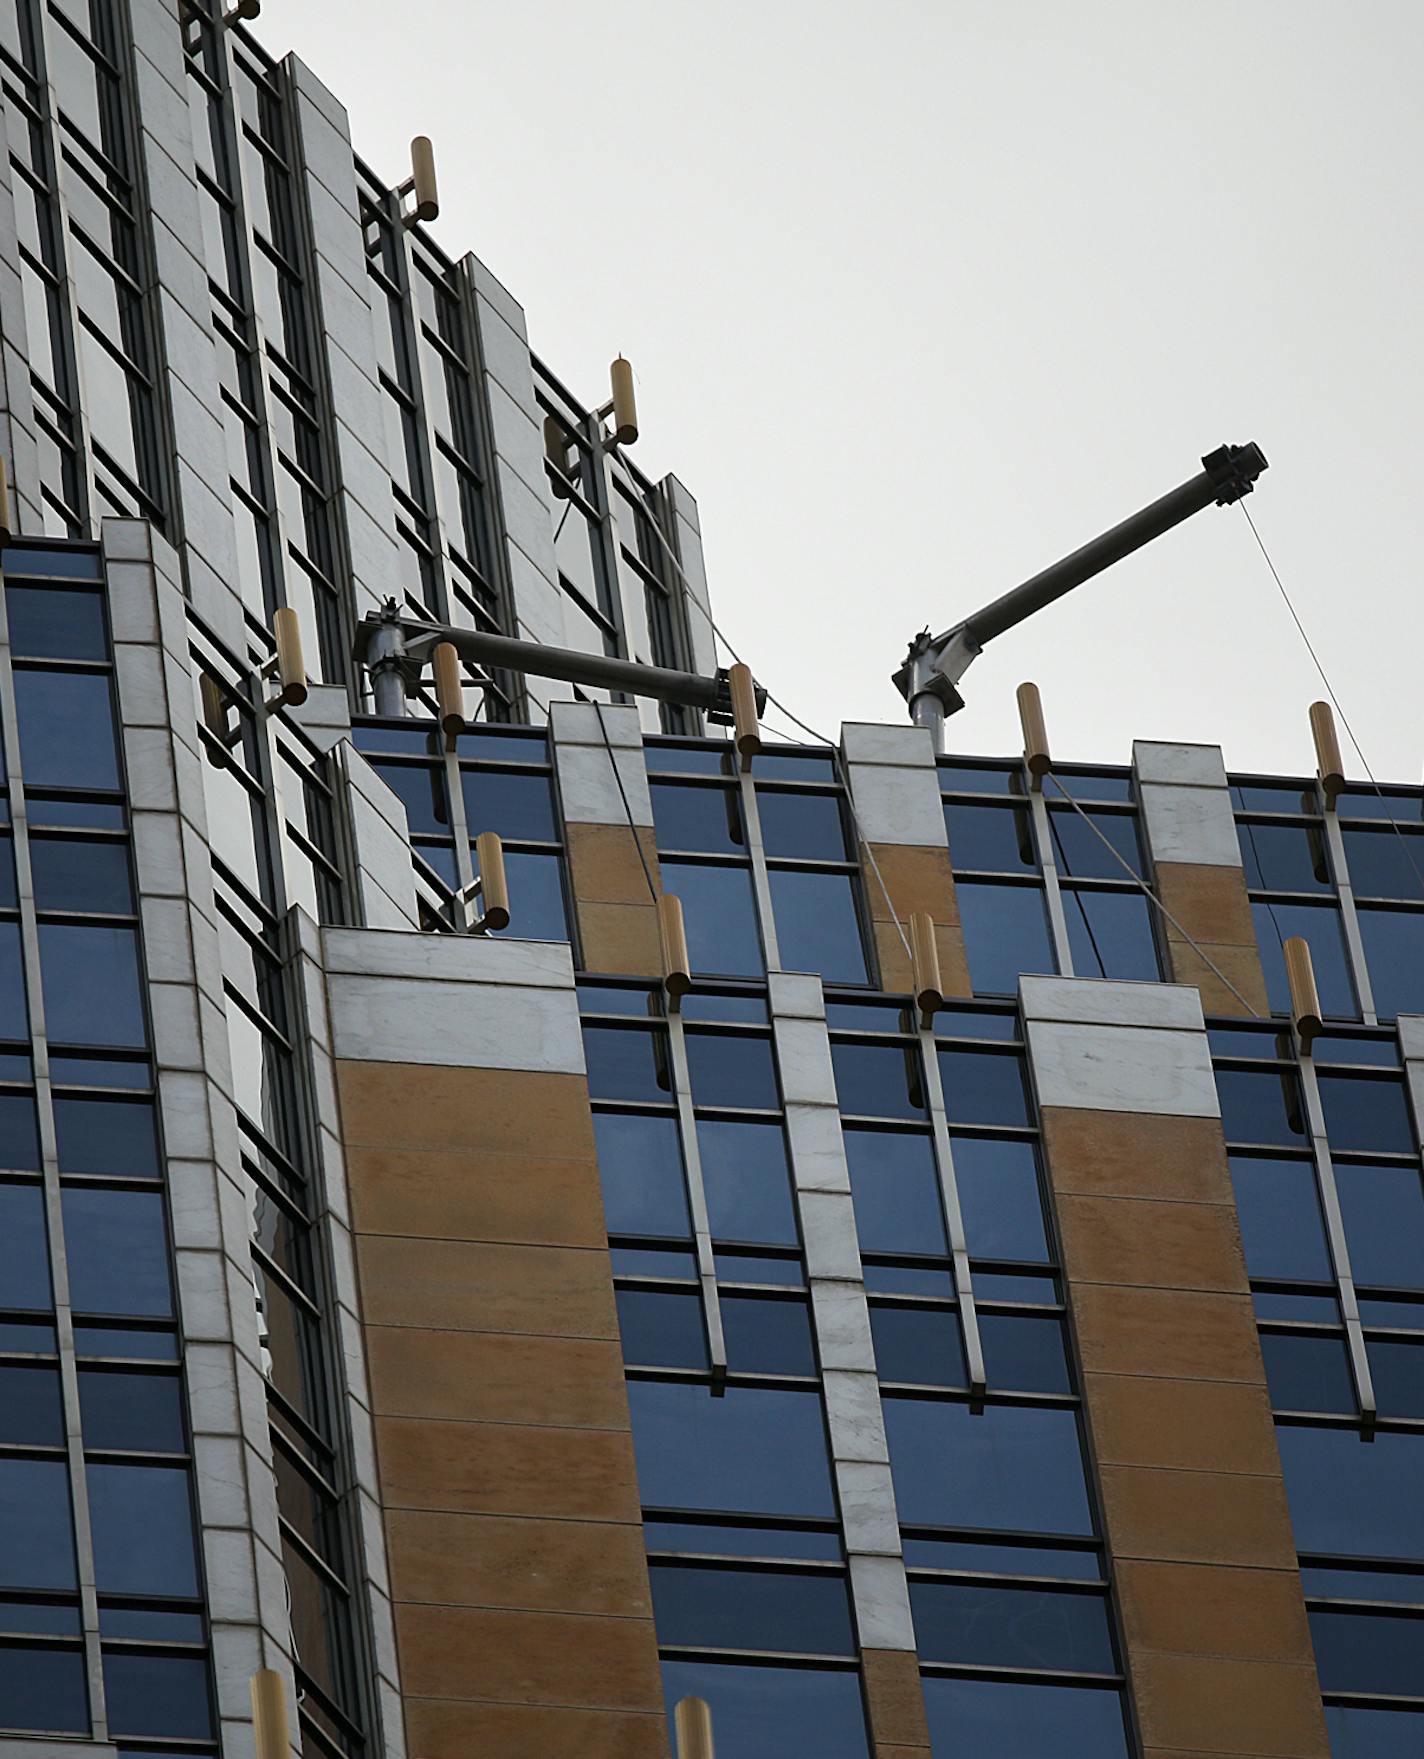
{"points": [[749, 1450], [725, 1540], [785, 764], [1284, 858], [991, 839], [707, 820], [1365, 1113], [1110, 935], [662, 1328], [818, 925], [895, 1185], [1355, 1497], [142, 1524], [1373, 1734], [9, 896], [1081, 854], [1004, 1560], [24, 1251], [732, 1069], [421, 790], [1281, 1225], [640, 1167], [36, 1534], [1368, 1651], [117, 1251], [536, 897], [1020, 1721], [503, 745], [1383, 1207], [1318, 924], [719, 915], [767, 1336], [1018, 1467], [965, 778], [786, 1611], [770, 1712], [1394, 953], [156, 1694], [14, 1021], [878, 1080], [91, 985], [1023, 1353], [66, 729], [84, 876], [805, 826], [113, 1136], [1307, 1372], [1397, 1370], [1040, 1628], [131, 1413], [984, 1087], [1261, 1106], [999, 1198], [1386, 863], [44, 1689], [63, 559], [519, 807], [1005, 934], [625, 1063], [747, 1182], [31, 1413], [917, 1346]]}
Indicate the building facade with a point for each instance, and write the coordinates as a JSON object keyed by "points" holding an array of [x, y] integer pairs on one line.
{"points": [[488, 1338]]}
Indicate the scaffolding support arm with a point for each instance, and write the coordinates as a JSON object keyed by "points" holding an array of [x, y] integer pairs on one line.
{"points": [[929, 678], [396, 650]]}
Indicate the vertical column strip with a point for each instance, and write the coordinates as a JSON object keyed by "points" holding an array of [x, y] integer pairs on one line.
{"points": [[761, 885], [1048, 864], [697, 1199], [1349, 915], [953, 1215]]}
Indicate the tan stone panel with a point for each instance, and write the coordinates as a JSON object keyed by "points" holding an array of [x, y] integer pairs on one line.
{"points": [[468, 1285], [1195, 1426], [507, 1469], [1168, 1334], [1208, 1609], [1238, 968], [1135, 1154], [1197, 1517], [501, 1111], [603, 863], [532, 1566], [1157, 1245], [620, 940], [1209, 902], [895, 1697], [529, 1657], [1230, 1707], [496, 1377], [445, 1729], [916, 879], [895, 1751], [516, 1198]]}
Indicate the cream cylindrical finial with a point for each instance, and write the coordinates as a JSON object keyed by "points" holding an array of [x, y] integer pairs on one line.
{"points": [[422, 172], [449, 688], [1305, 998], [746, 723], [672, 932], [1327, 750], [924, 960], [1035, 732], [625, 406], [494, 883], [269, 1715], [291, 665], [693, 1721]]}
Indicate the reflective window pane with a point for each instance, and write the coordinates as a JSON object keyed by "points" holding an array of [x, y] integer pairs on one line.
{"points": [[1005, 935], [1368, 1651], [878, 1080], [157, 1694], [1352, 1496], [767, 1336], [707, 821], [519, 807], [1018, 1467], [1386, 863], [895, 1186], [1318, 924], [1357, 1733], [999, 1198], [627, 1064], [113, 1136], [1367, 1114], [85, 876], [805, 826], [66, 729], [1394, 953], [722, 935], [52, 623], [640, 1168], [918, 1346], [749, 1450], [770, 1712], [537, 909], [117, 1248], [1285, 858], [1023, 1721], [31, 1412], [44, 1689], [14, 1020], [1306, 1372], [1081, 851], [732, 1069], [984, 1087], [662, 1328], [1110, 935], [142, 1523], [990, 839], [421, 790], [992, 1626], [747, 1182], [818, 924], [785, 1611], [131, 1413], [36, 1532], [1383, 1207], [91, 985], [1023, 1353], [1397, 1370], [1261, 1106], [24, 1249], [1281, 1225]]}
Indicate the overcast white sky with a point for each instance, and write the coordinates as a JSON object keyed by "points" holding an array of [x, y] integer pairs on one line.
{"points": [[922, 295]]}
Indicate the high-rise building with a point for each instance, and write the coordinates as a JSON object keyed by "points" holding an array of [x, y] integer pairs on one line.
{"points": [[973, 1308]]}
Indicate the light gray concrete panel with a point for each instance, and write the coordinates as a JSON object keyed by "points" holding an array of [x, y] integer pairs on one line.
{"points": [[1096, 1001], [494, 292], [325, 716], [505, 353], [398, 1020], [588, 787], [817, 1148], [460, 959], [528, 518], [518, 439], [1411, 1036], [684, 502], [1197, 766], [898, 803], [882, 1603], [872, 742], [868, 1514], [854, 1415], [1189, 824], [796, 994], [842, 1326], [803, 1054], [828, 1234], [1122, 1069]]}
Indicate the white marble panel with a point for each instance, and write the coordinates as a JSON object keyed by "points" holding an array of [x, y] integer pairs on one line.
{"points": [[1095, 1001], [803, 1054], [882, 1603], [1195, 766], [867, 1499], [897, 804], [1122, 1069], [1189, 824], [854, 1415], [407, 1020]]}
